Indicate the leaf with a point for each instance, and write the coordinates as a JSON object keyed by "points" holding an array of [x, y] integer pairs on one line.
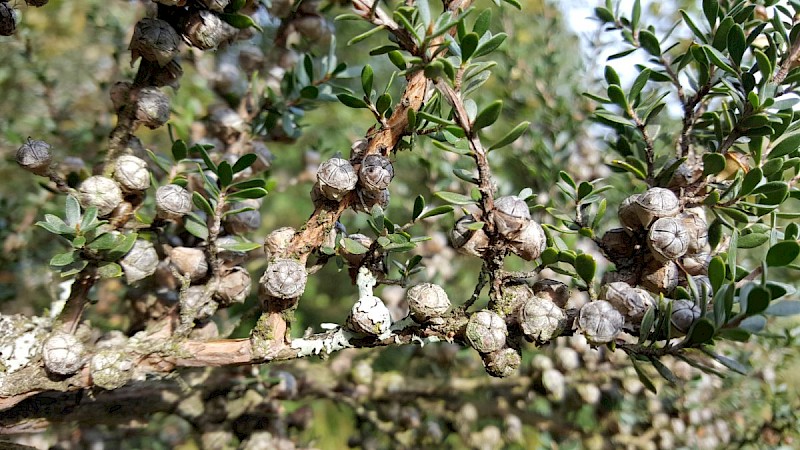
{"points": [[664, 371], [179, 150], [469, 43], [124, 245], [240, 246], [732, 364], [710, 10], [73, 211], [713, 163], [354, 247], [511, 136], [419, 205], [785, 146], [351, 101], [225, 173], [454, 198], [244, 162], [247, 184], [64, 259], [639, 83], [783, 308], [202, 204], [105, 241], [89, 220], [205, 157], [367, 77], [586, 267], [240, 21], [647, 324], [439, 210], [757, 300], [109, 270], [248, 193], [690, 23], [736, 44], [643, 377], [764, 64], [424, 10], [488, 115], [736, 214], [702, 331], [195, 226], [783, 253], [719, 59], [649, 42], [753, 240], [490, 45]]}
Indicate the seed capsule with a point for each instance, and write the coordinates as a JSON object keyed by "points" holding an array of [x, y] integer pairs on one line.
{"points": [[173, 202], [131, 173], [695, 223], [140, 262], [284, 278], [152, 107], [336, 178], [100, 192], [8, 23], [684, 314], [486, 331], [154, 40], [234, 286], [660, 277], [511, 214], [35, 157], [656, 203], [426, 302], [630, 301], [541, 320], [205, 30], [502, 363], [555, 291], [627, 213], [466, 241], [36, 3], [369, 316], [197, 303], [62, 354], [600, 322], [376, 172], [529, 242], [244, 221], [190, 262], [618, 244], [215, 5], [278, 241], [668, 239]]}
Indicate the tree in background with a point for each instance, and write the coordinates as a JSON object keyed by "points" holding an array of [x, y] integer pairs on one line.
{"points": [[266, 190]]}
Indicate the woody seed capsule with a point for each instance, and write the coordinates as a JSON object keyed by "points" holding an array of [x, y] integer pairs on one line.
{"points": [[502, 363], [35, 157], [684, 314], [62, 353], [234, 286], [529, 242], [427, 301], [553, 290], [205, 30], [154, 40], [630, 301], [486, 331], [140, 262], [100, 192], [599, 322], [8, 23], [278, 241], [131, 173], [173, 202], [656, 203], [190, 262], [152, 107], [511, 214], [376, 172], [541, 320], [668, 239], [369, 316], [284, 278], [336, 178]]}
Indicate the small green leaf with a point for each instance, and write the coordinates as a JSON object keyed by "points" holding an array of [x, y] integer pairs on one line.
{"points": [[716, 272], [195, 226], [713, 163], [105, 241], [240, 21], [240, 246], [664, 371], [643, 377], [649, 42], [757, 300], [454, 198], [89, 220], [585, 266], [785, 146], [488, 115], [719, 59], [783, 253], [109, 270], [367, 76], [63, 259], [248, 193], [490, 45], [73, 211], [244, 162], [764, 64], [124, 245], [736, 44], [353, 247], [397, 58], [549, 256], [202, 204], [753, 240], [783, 308], [604, 15], [439, 210], [647, 324], [702, 332], [351, 101], [179, 150], [468, 46], [247, 184], [732, 364], [737, 215], [419, 205], [225, 173]]}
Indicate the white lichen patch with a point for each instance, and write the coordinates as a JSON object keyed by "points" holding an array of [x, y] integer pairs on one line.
{"points": [[338, 340], [20, 341]]}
